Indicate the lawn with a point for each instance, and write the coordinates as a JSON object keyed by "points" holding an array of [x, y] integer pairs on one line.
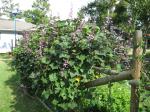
{"points": [[12, 98]]}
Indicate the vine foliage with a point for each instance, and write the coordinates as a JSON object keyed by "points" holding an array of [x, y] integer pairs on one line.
{"points": [[54, 60]]}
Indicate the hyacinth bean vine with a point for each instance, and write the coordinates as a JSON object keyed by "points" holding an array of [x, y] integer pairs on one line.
{"points": [[54, 60]]}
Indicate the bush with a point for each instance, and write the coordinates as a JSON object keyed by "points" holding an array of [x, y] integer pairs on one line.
{"points": [[56, 59], [105, 98], [145, 95]]}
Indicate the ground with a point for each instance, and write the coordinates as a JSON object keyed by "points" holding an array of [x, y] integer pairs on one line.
{"points": [[12, 98]]}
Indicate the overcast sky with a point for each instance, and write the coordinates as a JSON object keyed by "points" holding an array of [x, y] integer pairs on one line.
{"points": [[59, 7]]}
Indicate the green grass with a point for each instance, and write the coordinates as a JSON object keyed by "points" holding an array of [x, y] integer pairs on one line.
{"points": [[5, 56], [147, 50], [12, 98]]}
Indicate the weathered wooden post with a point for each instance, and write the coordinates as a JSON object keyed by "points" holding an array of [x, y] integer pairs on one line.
{"points": [[136, 73]]}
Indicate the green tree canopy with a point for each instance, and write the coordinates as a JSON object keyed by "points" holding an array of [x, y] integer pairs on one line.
{"points": [[97, 10], [7, 7], [38, 14], [140, 11], [123, 12]]}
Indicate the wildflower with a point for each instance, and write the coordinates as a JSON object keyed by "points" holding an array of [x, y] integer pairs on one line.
{"points": [[78, 78], [65, 64]]}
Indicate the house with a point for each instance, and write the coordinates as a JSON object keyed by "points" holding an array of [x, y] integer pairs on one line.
{"points": [[8, 34], [147, 41]]}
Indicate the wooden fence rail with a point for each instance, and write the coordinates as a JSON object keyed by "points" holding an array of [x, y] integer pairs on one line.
{"points": [[125, 75], [106, 71]]}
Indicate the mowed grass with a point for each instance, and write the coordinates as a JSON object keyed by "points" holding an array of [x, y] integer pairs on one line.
{"points": [[12, 98], [4, 56]]}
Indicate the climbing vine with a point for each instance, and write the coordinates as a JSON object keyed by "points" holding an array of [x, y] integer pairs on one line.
{"points": [[57, 58]]}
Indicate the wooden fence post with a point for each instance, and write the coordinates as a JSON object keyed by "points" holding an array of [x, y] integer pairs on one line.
{"points": [[136, 73]]}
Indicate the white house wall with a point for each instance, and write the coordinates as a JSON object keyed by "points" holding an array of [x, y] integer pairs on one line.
{"points": [[7, 41]]}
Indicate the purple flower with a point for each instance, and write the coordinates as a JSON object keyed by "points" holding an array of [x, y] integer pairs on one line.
{"points": [[90, 37], [65, 64]]}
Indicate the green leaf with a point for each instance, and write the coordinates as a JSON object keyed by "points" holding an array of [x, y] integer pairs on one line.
{"points": [[72, 105], [71, 63], [63, 93], [32, 75], [118, 66], [53, 77], [44, 80], [62, 55], [86, 29], [45, 94], [57, 90], [62, 83], [44, 60], [73, 74], [81, 57], [53, 67], [55, 102]]}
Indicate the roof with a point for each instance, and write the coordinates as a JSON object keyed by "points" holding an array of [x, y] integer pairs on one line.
{"points": [[8, 25]]}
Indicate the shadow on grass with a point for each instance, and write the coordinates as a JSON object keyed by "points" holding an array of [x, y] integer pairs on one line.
{"points": [[21, 102], [5, 55]]}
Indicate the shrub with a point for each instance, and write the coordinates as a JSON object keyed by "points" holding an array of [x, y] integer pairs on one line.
{"points": [[145, 95], [114, 98], [58, 57]]}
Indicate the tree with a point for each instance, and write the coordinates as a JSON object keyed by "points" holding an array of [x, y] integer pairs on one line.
{"points": [[140, 12], [7, 7], [135, 13], [97, 10], [100, 9], [38, 14]]}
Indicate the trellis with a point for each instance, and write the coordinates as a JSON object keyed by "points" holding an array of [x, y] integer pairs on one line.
{"points": [[133, 74]]}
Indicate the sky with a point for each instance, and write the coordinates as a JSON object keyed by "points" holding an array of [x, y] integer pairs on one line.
{"points": [[60, 8]]}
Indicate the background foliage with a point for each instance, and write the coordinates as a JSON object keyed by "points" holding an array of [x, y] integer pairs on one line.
{"points": [[7, 7], [38, 14], [135, 13]]}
